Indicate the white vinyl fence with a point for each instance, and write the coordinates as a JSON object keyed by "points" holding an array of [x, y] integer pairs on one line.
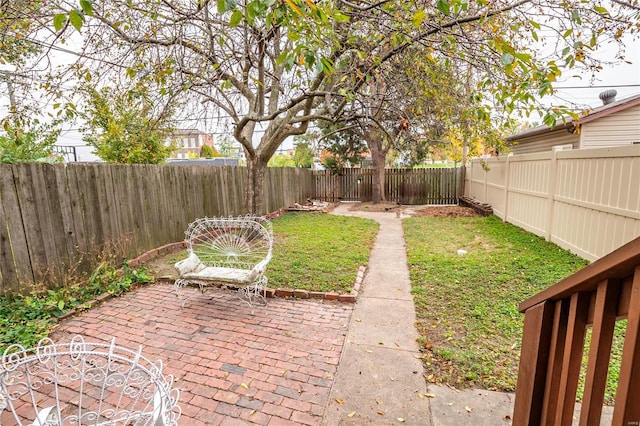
{"points": [[587, 201]]}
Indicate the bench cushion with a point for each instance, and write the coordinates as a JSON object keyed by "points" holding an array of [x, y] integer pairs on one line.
{"points": [[215, 273], [189, 265]]}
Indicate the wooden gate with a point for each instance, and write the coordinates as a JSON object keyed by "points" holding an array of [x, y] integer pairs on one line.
{"points": [[405, 186]]}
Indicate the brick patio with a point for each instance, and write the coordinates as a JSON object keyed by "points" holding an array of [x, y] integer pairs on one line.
{"points": [[232, 368]]}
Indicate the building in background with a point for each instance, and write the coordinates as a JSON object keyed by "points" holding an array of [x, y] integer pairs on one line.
{"points": [[615, 123], [189, 142]]}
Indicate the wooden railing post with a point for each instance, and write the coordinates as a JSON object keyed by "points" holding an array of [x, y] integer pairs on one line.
{"points": [[627, 409], [556, 355], [533, 364], [604, 322], [574, 346]]}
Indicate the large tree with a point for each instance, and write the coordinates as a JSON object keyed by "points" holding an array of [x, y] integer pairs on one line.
{"points": [[273, 66], [127, 126]]}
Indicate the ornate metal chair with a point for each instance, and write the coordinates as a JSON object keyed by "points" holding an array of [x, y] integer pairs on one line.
{"points": [[81, 383], [233, 252]]}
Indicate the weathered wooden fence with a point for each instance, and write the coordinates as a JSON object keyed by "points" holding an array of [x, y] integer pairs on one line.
{"points": [[57, 217], [587, 201], [406, 186]]}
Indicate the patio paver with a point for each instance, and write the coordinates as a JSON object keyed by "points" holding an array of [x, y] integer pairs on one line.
{"points": [[274, 368]]}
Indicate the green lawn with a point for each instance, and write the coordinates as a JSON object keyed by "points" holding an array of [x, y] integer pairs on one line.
{"points": [[319, 252], [467, 306]]}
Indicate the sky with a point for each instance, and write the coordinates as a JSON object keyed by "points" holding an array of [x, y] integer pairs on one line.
{"points": [[623, 77]]}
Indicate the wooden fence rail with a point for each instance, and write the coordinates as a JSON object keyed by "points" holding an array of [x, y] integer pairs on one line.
{"points": [[58, 217], [555, 325]]}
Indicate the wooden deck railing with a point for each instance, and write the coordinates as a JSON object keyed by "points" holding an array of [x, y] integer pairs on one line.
{"points": [[555, 324]]}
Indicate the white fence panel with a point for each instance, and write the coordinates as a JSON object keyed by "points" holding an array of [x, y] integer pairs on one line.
{"points": [[587, 201]]}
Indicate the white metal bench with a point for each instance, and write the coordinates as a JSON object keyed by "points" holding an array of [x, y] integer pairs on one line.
{"points": [[81, 383], [230, 252]]}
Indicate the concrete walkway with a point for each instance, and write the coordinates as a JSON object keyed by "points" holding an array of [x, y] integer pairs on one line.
{"points": [[380, 376]]}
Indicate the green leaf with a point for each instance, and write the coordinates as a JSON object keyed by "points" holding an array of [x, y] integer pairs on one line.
{"points": [[87, 7], [601, 10], [282, 57], [418, 18], [549, 120], [60, 305], [76, 19], [567, 33], [59, 21], [524, 57], [226, 5], [340, 17], [507, 59], [443, 6], [327, 65], [236, 18], [575, 16], [250, 15]]}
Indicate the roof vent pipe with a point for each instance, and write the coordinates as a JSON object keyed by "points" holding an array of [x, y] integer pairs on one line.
{"points": [[608, 96]]}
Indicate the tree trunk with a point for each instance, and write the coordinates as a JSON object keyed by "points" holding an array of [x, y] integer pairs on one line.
{"points": [[254, 200], [378, 155]]}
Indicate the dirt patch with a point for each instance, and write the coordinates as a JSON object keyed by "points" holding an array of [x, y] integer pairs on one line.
{"points": [[385, 206], [416, 211], [445, 211]]}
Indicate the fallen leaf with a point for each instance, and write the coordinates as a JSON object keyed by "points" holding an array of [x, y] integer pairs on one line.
{"points": [[400, 419], [450, 404], [469, 409], [340, 400], [381, 343], [421, 396], [380, 412], [252, 412], [369, 351], [244, 385], [351, 414], [430, 395], [358, 320], [378, 402], [507, 417], [393, 379]]}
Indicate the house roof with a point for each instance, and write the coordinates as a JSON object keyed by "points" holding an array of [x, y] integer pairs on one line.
{"points": [[570, 124]]}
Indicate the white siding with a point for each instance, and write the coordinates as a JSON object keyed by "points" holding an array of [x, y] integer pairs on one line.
{"points": [[545, 142], [621, 128]]}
